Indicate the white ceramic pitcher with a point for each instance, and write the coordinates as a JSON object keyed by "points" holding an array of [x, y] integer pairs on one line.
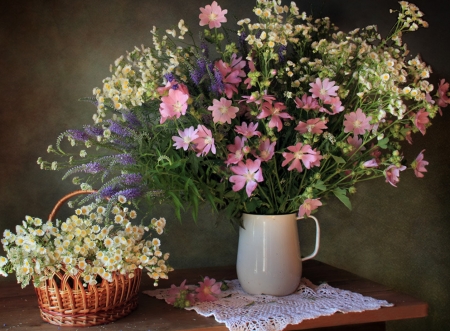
{"points": [[269, 260]]}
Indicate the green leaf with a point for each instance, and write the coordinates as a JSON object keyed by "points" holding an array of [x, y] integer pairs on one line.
{"points": [[383, 143], [320, 185], [341, 194], [338, 159]]}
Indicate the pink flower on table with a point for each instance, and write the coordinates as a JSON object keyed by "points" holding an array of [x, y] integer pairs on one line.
{"points": [[307, 206], [392, 173], [356, 143], [421, 120], [212, 15], [247, 174], [313, 125], [303, 153], [248, 130], [266, 150], [208, 289], [276, 112], [186, 138], [237, 151], [205, 141], [306, 103], [173, 105], [323, 89], [443, 100], [419, 165], [223, 111], [357, 122], [175, 294]]}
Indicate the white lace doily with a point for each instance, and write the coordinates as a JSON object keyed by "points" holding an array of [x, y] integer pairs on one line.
{"points": [[244, 312]]}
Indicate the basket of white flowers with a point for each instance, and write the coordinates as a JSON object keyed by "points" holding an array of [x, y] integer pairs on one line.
{"points": [[87, 269]]}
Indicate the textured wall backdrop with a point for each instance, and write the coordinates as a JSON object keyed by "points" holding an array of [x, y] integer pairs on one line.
{"points": [[55, 51]]}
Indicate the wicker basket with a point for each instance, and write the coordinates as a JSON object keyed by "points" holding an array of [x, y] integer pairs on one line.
{"points": [[64, 301]]}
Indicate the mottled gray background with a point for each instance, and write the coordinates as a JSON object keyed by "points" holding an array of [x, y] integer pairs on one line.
{"points": [[55, 51]]}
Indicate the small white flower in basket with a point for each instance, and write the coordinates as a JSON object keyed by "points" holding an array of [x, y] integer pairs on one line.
{"points": [[94, 258]]}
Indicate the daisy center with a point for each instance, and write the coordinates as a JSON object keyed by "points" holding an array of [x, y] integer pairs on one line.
{"points": [[357, 124]]}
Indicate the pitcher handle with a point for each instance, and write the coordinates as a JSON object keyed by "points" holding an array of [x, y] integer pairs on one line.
{"points": [[316, 248]]}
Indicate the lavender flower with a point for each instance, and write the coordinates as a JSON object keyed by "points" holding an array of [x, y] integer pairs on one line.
{"points": [[119, 129], [108, 191], [131, 119], [130, 193], [241, 41], [204, 48], [169, 77], [216, 83], [281, 53], [92, 167], [78, 135], [93, 130], [124, 159], [131, 179]]}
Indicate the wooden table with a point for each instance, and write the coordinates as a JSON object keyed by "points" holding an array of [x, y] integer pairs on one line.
{"points": [[19, 311]]}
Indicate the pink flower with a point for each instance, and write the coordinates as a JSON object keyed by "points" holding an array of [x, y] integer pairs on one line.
{"points": [[173, 105], [276, 113], [419, 165], [212, 15], [266, 150], [313, 125], [307, 206], [257, 98], [205, 141], [357, 122], [175, 294], [392, 173], [306, 103], [231, 74], [237, 151], [186, 137], [248, 175], [305, 153], [371, 163], [323, 90], [207, 289], [443, 100], [335, 103], [222, 111], [356, 144], [248, 80], [421, 119], [248, 130]]}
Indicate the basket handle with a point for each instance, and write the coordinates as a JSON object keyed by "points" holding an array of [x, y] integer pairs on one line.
{"points": [[64, 199]]}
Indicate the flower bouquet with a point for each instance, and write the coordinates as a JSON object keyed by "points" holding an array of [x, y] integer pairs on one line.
{"points": [[86, 270], [265, 115]]}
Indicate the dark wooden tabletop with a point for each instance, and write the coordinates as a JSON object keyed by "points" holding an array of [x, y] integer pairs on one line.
{"points": [[19, 309]]}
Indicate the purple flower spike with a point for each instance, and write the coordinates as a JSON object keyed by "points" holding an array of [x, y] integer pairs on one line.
{"points": [[131, 179], [78, 135], [93, 167], [118, 129], [125, 159], [93, 130], [108, 191]]}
